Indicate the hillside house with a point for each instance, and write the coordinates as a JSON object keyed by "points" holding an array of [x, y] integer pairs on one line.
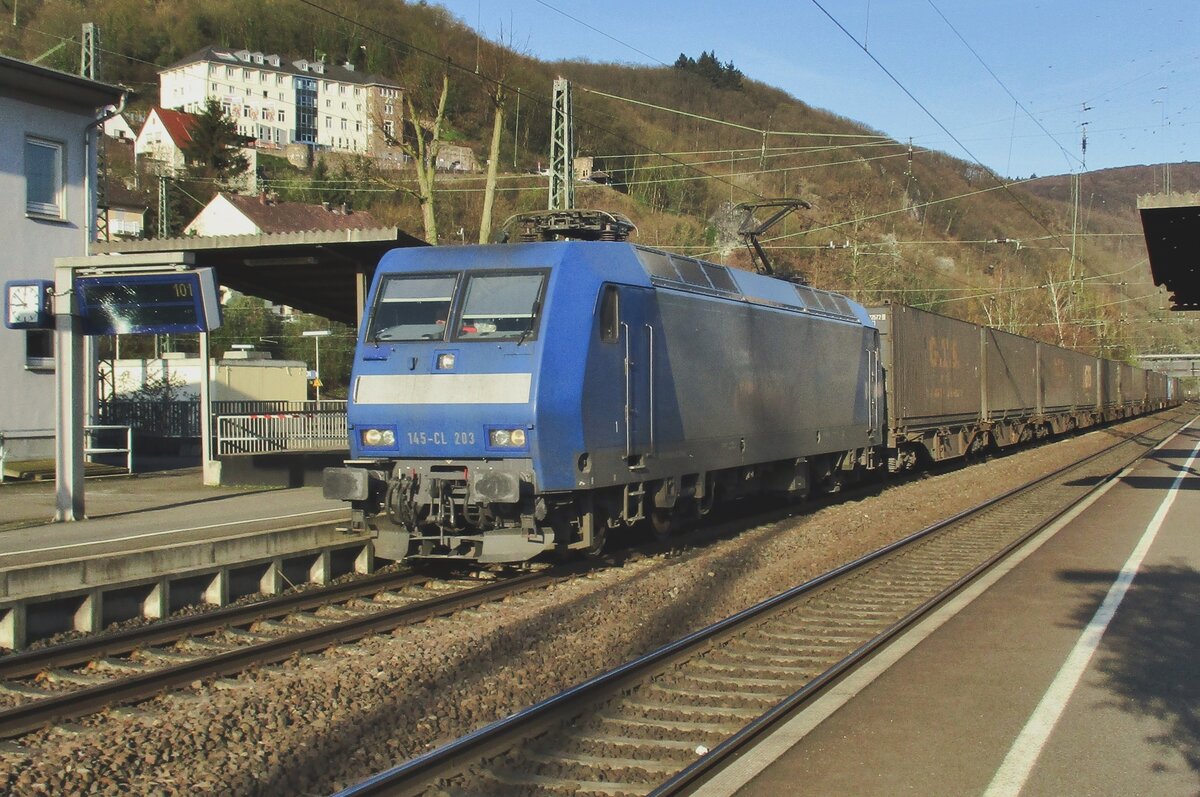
{"points": [[232, 214], [163, 138]]}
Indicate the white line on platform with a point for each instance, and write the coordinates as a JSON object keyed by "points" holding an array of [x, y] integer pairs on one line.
{"points": [[733, 777], [92, 543], [1018, 764]]}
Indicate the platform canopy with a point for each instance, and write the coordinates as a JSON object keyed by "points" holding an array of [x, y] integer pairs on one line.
{"points": [[1171, 224], [325, 273], [1186, 366]]}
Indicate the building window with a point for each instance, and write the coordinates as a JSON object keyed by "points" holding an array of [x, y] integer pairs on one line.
{"points": [[43, 178], [283, 116], [39, 349]]}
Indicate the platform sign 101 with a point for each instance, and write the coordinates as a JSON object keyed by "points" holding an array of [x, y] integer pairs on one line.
{"points": [[162, 302]]}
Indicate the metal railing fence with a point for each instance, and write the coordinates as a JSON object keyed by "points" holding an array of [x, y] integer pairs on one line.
{"points": [[258, 433], [91, 447]]}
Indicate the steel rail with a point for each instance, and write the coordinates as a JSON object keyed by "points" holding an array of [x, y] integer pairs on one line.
{"points": [[35, 714], [497, 736]]}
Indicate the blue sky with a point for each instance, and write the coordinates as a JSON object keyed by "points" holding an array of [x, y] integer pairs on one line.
{"points": [[1135, 66]]}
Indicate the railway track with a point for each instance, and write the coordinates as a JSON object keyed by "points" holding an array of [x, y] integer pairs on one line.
{"points": [[657, 725], [40, 687]]}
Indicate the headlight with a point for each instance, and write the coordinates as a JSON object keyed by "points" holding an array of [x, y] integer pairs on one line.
{"points": [[378, 437], [506, 438], [445, 361]]}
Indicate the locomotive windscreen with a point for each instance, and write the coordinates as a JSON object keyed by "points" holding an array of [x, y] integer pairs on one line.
{"points": [[412, 308], [500, 306], [493, 305]]}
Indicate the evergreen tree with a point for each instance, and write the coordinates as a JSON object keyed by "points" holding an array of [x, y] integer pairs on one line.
{"points": [[709, 67], [214, 151]]}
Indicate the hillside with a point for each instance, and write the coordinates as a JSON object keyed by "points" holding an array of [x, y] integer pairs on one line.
{"points": [[919, 227]]}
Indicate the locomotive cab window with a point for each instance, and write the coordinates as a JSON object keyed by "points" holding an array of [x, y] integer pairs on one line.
{"points": [[412, 308], [610, 315], [501, 306]]}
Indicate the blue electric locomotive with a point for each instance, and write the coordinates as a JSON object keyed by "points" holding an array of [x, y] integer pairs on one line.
{"points": [[508, 400]]}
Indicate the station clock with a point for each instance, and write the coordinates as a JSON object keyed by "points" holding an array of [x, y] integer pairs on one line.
{"points": [[27, 304]]}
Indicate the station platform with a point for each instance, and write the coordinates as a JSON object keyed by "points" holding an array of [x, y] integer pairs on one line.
{"points": [[1069, 669], [153, 543]]}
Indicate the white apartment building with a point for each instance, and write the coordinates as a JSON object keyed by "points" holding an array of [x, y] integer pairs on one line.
{"points": [[279, 102]]}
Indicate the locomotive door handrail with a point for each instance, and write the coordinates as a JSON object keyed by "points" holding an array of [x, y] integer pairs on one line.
{"points": [[873, 387], [638, 331], [650, 353], [628, 394]]}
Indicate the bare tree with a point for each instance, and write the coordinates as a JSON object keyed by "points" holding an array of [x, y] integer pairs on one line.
{"points": [[425, 144], [501, 58], [422, 148]]}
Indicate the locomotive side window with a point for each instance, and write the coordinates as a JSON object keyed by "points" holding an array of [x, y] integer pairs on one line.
{"points": [[501, 306], [610, 315], [412, 308]]}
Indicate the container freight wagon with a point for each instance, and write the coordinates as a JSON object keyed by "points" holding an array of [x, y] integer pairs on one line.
{"points": [[933, 374], [1068, 382], [954, 387]]}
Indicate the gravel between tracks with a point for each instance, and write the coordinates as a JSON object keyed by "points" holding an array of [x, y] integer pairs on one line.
{"points": [[323, 721]]}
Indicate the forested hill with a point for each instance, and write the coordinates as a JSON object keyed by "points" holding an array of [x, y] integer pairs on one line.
{"points": [[682, 143]]}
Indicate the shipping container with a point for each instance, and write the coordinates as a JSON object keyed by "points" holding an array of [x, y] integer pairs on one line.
{"points": [[1010, 385], [1066, 380], [1110, 384]]}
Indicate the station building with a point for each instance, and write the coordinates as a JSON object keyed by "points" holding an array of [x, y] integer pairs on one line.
{"points": [[48, 133]]}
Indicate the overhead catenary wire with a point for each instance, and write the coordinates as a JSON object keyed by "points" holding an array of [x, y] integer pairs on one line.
{"points": [[1000, 82], [482, 76], [451, 65], [1004, 185], [602, 33], [747, 128]]}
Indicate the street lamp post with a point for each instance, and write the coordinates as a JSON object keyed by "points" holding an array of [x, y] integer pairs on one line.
{"points": [[316, 335]]}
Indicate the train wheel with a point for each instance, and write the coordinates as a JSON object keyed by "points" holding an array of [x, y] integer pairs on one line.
{"points": [[662, 522], [599, 534]]}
